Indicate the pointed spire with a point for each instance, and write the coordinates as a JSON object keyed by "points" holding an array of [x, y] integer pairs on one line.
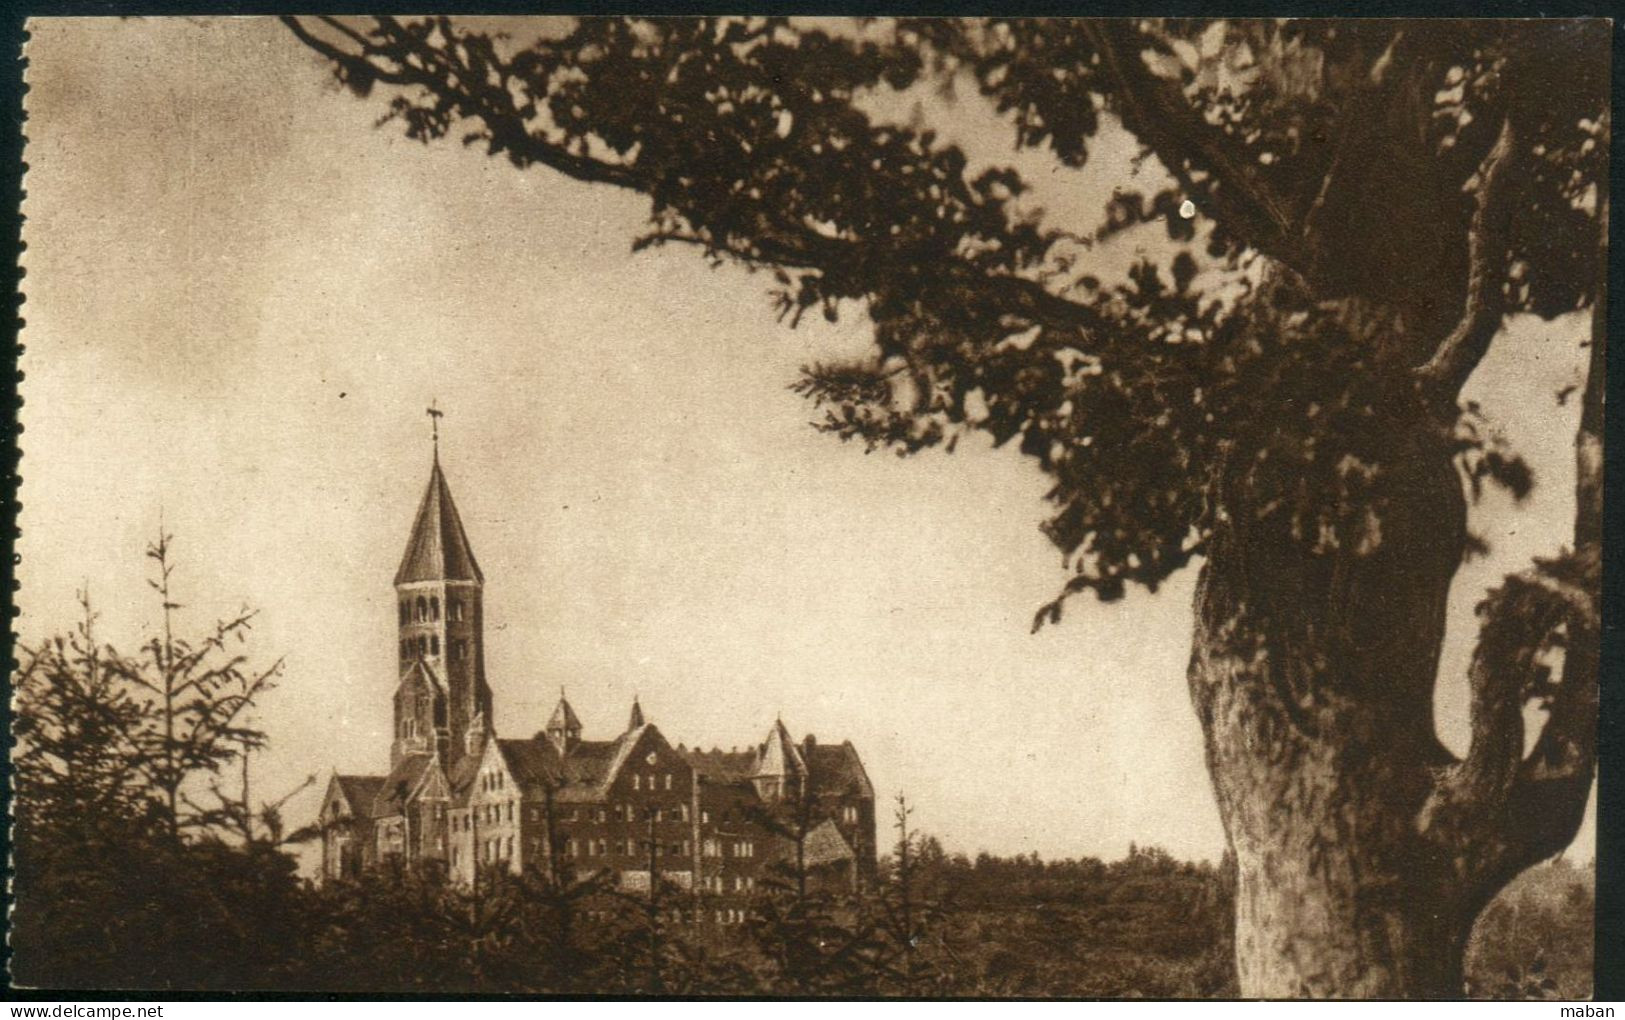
{"points": [[779, 755], [636, 719], [438, 549]]}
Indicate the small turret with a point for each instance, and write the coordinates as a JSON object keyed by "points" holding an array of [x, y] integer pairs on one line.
{"points": [[563, 729], [780, 768], [636, 719]]}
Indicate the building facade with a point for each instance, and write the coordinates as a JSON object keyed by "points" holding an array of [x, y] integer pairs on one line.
{"points": [[459, 797]]}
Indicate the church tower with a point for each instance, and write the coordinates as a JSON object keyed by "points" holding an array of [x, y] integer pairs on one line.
{"points": [[439, 594]]}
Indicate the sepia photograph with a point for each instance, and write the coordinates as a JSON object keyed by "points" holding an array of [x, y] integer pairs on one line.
{"points": [[743, 507]]}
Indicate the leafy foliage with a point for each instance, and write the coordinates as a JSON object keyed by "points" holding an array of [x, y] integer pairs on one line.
{"points": [[1536, 940]]}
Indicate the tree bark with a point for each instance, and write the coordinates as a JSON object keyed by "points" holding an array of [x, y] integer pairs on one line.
{"points": [[1312, 673]]}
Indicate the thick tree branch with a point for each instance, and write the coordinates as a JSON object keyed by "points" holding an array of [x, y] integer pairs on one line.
{"points": [[1503, 810], [494, 107], [1554, 782], [351, 62], [1488, 243], [1155, 109], [774, 238]]}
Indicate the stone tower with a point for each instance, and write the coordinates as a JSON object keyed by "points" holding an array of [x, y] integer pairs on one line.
{"points": [[439, 591]]}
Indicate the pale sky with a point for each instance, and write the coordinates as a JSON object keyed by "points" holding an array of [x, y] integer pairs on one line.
{"points": [[240, 297]]}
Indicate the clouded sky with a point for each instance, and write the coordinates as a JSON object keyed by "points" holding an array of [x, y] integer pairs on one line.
{"points": [[241, 297]]}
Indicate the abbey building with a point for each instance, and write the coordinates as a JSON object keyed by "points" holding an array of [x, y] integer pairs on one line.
{"points": [[458, 796]]}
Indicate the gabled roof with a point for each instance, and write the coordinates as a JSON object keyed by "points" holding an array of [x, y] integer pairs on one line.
{"points": [[564, 717], [779, 755], [623, 749], [826, 845], [461, 777], [585, 771], [583, 774], [836, 769], [420, 668], [400, 784], [358, 792], [438, 549], [530, 762]]}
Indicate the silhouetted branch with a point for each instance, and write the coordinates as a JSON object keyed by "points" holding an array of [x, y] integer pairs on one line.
{"points": [[1488, 244], [1234, 191]]}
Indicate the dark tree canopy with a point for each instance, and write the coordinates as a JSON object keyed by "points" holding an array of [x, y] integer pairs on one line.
{"points": [[1432, 176], [1344, 215]]}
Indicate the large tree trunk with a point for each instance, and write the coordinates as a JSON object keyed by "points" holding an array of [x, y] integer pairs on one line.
{"points": [[1312, 672], [1365, 849]]}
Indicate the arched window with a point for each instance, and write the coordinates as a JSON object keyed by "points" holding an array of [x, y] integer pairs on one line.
{"points": [[434, 607], [454, 609], [423, 608], [434, 644], [406, 613]]}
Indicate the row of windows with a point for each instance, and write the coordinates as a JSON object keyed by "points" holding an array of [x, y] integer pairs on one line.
{"points": [[625, 848], [741, 883], [426, 610], [489, 814], [623, 813], [676, 916], [423, 644], [429, 644], [505, 811], [736, 848], [500, 848], [639, 782], [632, 813]]}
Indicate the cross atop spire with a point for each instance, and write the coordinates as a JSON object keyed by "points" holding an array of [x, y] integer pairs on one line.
{"points": [[435, 414]]}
